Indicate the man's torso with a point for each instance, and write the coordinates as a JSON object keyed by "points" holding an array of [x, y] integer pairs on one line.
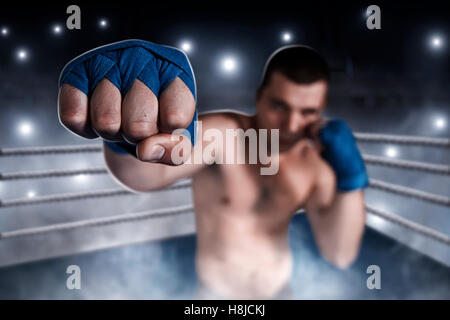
{"points": [[242, 220]]}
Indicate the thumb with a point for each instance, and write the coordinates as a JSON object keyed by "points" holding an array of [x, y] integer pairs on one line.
{"points": [[164, 148]]}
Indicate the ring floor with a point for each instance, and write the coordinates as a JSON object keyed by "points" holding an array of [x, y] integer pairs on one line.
{"points": [[165, 270]]}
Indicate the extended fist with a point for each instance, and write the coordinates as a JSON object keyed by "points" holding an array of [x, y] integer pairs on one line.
{"points": [[130, 92]]}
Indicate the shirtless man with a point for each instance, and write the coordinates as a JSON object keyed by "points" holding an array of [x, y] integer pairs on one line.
{"points": [[136, 101]]}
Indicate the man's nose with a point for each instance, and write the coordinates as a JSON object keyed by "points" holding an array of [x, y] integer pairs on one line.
{"points": [[296, 122]]}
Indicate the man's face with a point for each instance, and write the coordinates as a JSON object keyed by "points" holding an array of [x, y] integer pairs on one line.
{"points": [[290, 107]]}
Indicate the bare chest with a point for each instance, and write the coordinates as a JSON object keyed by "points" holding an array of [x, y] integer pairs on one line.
{"points": [[241, 188]]}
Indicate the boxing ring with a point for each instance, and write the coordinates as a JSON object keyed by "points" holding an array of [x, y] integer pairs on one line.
{"points": [[174, 225]]}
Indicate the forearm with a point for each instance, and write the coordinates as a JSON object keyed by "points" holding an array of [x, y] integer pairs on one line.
{"points": [[141, 175], [133, 173], [338, 228]]}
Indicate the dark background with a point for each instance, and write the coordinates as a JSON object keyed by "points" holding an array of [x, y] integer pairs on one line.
{"points": [[397, 59]]}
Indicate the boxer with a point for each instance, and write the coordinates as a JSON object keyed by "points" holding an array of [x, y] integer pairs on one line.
{"points": [[133, 94]]}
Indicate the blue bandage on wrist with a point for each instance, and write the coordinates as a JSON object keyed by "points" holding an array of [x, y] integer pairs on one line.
{"points": [[121, 147], [125, 61], [341, 152]]}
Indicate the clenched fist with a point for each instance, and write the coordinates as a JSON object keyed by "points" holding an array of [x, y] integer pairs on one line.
{"points": [[131, 93]]}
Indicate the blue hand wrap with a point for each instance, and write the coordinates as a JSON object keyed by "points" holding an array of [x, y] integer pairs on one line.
{"points": [[122, 63], [341, 152]]}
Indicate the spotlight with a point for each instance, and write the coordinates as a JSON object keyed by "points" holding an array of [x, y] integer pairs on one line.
{"points": [[5, 31], [391, 152], [229, 64], [103, 23], [57, 29], [286, 36], [376, 222], [186, 46], [440, 123], [81, 178], [31, 194], [22, 54], [25, 128], [436, 42]]}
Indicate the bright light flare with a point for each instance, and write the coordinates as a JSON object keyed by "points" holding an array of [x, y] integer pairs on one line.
{"points": [[186, 46], [25, 128], [229, 64], [440, 123], [103, 23], [57, 29], [22, 54], [391, 152], [286, 36]]}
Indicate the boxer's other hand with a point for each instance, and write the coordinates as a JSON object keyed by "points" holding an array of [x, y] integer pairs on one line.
{"points": [[139, 117], [312, 132]]}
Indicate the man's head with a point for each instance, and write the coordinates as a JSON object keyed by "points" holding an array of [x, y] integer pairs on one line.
{"points": [[293, 92]]}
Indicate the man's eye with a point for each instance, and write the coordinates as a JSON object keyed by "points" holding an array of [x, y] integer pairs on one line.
{"points": [[278, 107], [309, 112]]}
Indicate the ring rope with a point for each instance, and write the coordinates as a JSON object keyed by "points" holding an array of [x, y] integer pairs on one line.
{"points": [[399, 139], [410, 192], [376, 184], [369, 159], [81, 195], [408, 224], [97, 222], [425, 231], [64, 197], [29, 151], [50, 173], [407, 164]]}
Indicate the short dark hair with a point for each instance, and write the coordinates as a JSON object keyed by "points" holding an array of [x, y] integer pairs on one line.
{"points": [[299, 63]]}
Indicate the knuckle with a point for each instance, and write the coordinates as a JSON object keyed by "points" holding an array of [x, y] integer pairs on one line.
{"points": [[106, 122], [177, 119], [140, 128], [72, 117], [72, 110]]}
